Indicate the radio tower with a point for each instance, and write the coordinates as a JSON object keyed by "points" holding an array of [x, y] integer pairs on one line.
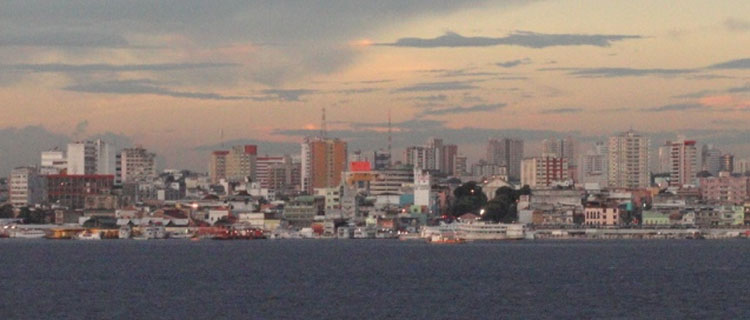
{"points": [[323, 126]]}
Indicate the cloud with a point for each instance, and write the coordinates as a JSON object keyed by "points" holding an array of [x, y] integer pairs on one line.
{"points": [[293, 95], [431, 98], [63, 38], [677, 107], [619, 72], [80, 129], [438, 86], [356, 91], [613, 72], [743, 89], [462, 110], [737, 25], [733, 64], [561, 110], [72, 68], [518, 38], [513, 63], [143, 86]]}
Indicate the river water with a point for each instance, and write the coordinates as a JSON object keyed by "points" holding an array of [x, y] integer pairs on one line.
{"points": [[373, 279]]}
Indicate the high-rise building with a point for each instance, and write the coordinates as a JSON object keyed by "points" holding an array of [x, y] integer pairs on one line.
{"points": [[563, 148], [323, 161], [742, 166], [381, 160], [710, 159], [460, 165], [726, 163], [507, 153], [421, 157], [217, 166], [544, 171], [53, 161], [449, 153], [434, 156], [91, 157], [684, 159], [628, 161], [263, 168], [26, 187], [594, 167], [241, 162], [664, 157], [135, 165]]}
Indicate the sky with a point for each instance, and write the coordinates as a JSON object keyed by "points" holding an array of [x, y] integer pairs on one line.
{"points": [[183, 77]]}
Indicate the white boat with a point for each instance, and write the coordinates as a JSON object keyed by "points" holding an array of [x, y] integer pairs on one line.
{"points": [[88, 235], [27, 233], [490, 231], [152, 232]]}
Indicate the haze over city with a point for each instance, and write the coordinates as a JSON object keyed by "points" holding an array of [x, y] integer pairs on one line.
{"points": [[185, 77]]}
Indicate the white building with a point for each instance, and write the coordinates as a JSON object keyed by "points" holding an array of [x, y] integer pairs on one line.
{"points": [[628, 161], [91, 157], [26, 187], [53, 162], [544, 171], [422, 188]]}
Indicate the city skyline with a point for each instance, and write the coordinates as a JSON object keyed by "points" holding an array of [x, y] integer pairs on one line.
{"points": [[465, 71]]}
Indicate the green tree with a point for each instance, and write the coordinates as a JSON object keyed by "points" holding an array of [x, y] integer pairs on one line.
{"points": [[504, 206], [469, 198]]}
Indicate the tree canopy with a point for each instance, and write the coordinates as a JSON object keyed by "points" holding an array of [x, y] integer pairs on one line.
{"points": [[469, 198]]}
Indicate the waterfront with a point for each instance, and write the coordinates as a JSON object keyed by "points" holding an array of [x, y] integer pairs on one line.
{"points": [[374, 279]]}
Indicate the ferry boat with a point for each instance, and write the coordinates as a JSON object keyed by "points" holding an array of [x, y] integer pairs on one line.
{"points": [[28, 234], [490, 231]]}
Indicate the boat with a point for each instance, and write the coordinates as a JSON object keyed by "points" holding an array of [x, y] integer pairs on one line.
{"points": [[88, 235], [28, 234], [445, 239], [490, 231]]}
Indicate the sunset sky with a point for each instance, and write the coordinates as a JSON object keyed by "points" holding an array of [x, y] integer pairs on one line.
{"points": [[172, 75]]}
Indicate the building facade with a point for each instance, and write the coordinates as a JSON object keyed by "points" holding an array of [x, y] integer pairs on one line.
{"points": [[628, 161], [26, 187], [684, 161], [507, 153], [544, 171], [135, 165], [323, 162]]}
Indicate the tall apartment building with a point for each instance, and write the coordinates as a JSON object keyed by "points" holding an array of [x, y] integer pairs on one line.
{"points": [[217, 166], [323, 161], [26, 187], [507, 153], [381, 160], [742, 166], [684, 160], [628, 161], [91, 157], [664, 159], [449, 154], [135, 165], [460, 165], [594, 164], [563, 148], [726, 163], [241, 162], [544, 171], [421, 157], [710, 159]]}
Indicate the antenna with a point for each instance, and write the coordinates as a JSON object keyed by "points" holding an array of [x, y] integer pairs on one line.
{"points": [[221, 137], [390, 156], [323, 126]]}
